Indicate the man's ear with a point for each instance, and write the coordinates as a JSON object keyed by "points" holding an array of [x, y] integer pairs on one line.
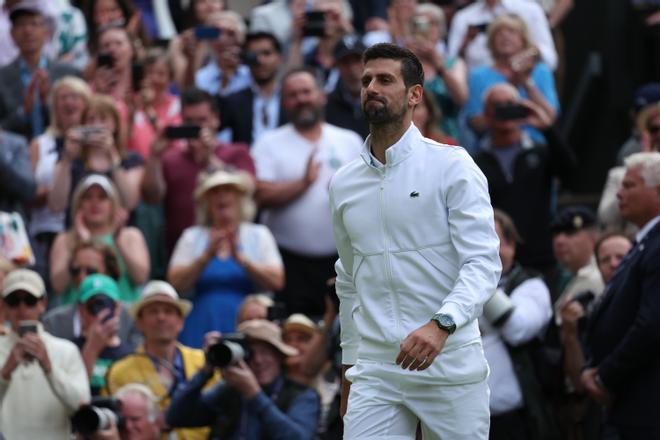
{"points": [[415, 95]]}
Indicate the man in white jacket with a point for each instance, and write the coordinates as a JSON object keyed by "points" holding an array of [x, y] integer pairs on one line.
{"points": [[418, 258], [42, 378]]}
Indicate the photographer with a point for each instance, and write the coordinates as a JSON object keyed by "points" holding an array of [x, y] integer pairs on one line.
{"points": [[42, 378], [254, 399]]}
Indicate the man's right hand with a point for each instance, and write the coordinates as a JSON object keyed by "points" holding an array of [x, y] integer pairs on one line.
{"points": [[101, 333], [313, 168], [16, 356], [345, 390]]}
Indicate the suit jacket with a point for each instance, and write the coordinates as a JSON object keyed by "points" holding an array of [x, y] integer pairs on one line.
{"points": [[17, 185], [12, 115], [59, 322], [341, 112], [624, 335], [237, 112]]}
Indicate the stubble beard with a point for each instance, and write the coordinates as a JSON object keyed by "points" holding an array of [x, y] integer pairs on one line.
{"points": [[383, 115]]}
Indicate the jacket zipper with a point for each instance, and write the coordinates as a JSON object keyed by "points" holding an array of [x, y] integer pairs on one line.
{"points": [[388, 264]]}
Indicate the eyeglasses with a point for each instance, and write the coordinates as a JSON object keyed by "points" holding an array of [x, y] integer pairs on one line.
{"points": [[13, 300], [76, 270], [654, 129]]}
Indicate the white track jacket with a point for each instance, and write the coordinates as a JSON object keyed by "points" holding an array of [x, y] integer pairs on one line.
{"points": [[415, 237]]}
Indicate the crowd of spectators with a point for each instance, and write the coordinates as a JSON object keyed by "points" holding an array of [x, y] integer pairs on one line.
{"points": [[167, 165]]}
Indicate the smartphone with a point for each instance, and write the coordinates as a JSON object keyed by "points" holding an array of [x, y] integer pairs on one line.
{"points": [[207, 32], [25, 327], [510, 112], [98, 304], [584, 298], [105, 60], [137, 75], [276, 312], [481, 27], [182, 131], [249, 58], [314, 24]]}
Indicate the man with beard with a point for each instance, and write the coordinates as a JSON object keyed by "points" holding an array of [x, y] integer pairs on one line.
{"points": [[418, 258], [255, 110], [294, 166]]}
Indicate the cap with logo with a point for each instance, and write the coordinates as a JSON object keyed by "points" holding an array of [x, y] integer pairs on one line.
{"points": [[573, 219], [98, 284]]}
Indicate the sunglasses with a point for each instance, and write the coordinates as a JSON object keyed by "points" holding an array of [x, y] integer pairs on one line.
{"points": [[76, 270], [14, 300], [653, 129]]}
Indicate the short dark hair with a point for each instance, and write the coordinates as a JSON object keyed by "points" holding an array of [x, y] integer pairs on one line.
{"points": [[303, 69], [194, 96], [262, 35], [411, 68]]}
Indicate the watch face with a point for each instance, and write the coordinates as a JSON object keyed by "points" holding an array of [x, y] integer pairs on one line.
{"points": [[446, 321]]}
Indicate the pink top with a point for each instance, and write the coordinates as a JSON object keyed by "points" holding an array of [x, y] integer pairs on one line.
{"points": [[143, 133]]}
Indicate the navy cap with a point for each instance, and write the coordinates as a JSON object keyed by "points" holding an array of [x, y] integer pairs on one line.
{"points": [[349, 45], [573, 219], [646, 95]]}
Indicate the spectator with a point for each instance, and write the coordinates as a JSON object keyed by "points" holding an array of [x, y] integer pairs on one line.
{"points": [[276, 18], [25, 82], [648, 126], [467, 37], [254, 306], [400, 14], [444, 76], [645, 95], [102, 14], [140, 409], [224, 73], [255, 110], [185, 51], [156, 19], [513, 400], [98, 147], [319, 52], [343, 108], [294, 165], [156, 106], [100, 344], [17, 185], [427, 117], [255, 398], [161, 363], [115, 79], [69, 99], [172, 170], [516, 62], [6, 266], [622, 335], [97, 215], [225, 257], [369, 15], [520, 173], [43, 379], [573, 241], [88, 258]]}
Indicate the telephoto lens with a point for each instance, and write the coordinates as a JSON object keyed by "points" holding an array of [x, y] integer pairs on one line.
{"points": [[101, 414], [231, 349]]}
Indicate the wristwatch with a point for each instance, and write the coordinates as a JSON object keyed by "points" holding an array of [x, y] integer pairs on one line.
{"points": [[444, 322]]}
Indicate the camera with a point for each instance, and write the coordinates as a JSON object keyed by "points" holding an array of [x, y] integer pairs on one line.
{"points": [[231, 349], [99, 415], [314, 25], [584, 298]]}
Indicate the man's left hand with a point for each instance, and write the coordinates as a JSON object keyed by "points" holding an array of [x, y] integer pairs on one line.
{"points": [[34, 346], [597, 392], [420, 348], [241, 377]]}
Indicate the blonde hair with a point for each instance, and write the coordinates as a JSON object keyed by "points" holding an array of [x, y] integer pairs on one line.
{"points": [[105, 105], [248, 209], [78, 86], [511, 21], [437, 13], [82, 188], [645, 115]]}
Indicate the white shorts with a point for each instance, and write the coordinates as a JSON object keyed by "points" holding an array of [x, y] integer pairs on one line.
{"points": [[384, 405]]}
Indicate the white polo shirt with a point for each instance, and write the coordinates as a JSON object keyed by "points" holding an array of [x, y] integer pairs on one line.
{"points": [[303, 226]]}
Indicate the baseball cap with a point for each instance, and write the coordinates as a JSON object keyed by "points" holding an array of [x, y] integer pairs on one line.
{"points": [[25, 7], [26, 280], [160, 292], [269, 332], [646, 94], [98, 284], [573, 219], [349, 45]]}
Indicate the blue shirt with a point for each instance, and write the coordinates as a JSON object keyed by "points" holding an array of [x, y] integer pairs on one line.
{"points": [[266, 114], [481, 79], [209, 77], [36, 116]]}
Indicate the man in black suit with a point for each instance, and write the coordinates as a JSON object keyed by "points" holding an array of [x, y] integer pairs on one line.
{"points": [[25, 82], [624, 330], [251, 112]]}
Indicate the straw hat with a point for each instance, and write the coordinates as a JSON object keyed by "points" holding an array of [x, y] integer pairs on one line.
{"points": [[299, 322], [269, 332], [239, 180], [160, 292]]}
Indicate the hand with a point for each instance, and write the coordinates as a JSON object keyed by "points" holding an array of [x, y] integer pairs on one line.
{"points": [[207, 136], [16, 356], [189, 44], [82, 231], [537, 118], [313, 168], [211, 338], [653, 19], [571, 312], [599, 394], [241, 377], [101, 333], [522, 65], [345, 391], [105, 80], [34, 346], [119, 220], [72, 144], [420, 348], [216, 236], [43, 82], [160, 144], [297, 26], [28, 98]]}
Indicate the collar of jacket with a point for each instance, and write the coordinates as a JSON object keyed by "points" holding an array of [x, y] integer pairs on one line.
{"points": [[399, 151]]}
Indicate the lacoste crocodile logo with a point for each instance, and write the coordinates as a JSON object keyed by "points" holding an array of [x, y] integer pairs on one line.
{"points": [[414, 194]]}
